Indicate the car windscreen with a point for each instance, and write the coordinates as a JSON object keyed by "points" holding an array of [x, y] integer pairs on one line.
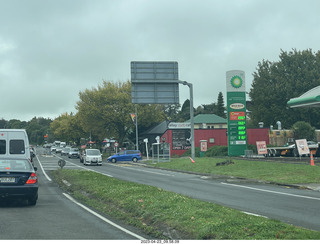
{"points": [[21, 165], [93, 152]]}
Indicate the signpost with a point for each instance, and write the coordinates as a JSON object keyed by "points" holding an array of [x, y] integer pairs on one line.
{"points": [[236, 113], [116, 144], [158, 83]]}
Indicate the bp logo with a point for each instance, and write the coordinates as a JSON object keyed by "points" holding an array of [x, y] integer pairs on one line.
{"points": [[236, 81]]}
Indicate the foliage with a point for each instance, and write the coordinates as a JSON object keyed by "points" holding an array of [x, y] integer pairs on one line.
{"points": [[36, 128], [104, 112], [171, 111], [217, 108], [275, 83], [211, 152], [168, 215], [184, 113], [67, 128], [220, 106], [217, 151], [303, 130]]}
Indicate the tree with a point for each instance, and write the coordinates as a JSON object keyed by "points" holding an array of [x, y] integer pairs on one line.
{"points": [[104, 112], [220, 106], [275, 83], [171, 111], [184, 113], [67, 128], [303, 130]]}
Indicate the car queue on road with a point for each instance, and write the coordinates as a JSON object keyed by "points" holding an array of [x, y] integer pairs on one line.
{"points": [[90, 156]]}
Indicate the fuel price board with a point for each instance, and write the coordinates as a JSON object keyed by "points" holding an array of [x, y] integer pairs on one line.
{"points": [[236, 111]]}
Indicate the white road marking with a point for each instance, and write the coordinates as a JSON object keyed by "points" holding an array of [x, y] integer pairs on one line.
{"points": [[275, 192], [137, 169], [45, 174], [103, 218], [257, 215]]}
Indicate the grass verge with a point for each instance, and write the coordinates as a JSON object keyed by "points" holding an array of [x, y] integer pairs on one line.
{"points": [[284, 173], [167, 215]]}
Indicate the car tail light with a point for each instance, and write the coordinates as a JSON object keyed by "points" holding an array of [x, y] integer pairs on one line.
{"points": [[140, 154], [32, 179]]}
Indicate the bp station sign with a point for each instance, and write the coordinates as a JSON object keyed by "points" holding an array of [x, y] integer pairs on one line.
{"points": [[236, 112]]}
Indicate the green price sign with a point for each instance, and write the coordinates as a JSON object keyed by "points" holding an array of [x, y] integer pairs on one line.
{"points": [[236, 110]]}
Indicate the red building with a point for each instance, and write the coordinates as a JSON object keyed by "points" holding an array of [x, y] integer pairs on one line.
{"points": [[179, 143]]}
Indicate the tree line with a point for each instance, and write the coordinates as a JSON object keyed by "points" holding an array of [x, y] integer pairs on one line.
{"points": [[105, 112]]}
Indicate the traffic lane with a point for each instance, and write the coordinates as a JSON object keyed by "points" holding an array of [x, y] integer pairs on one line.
{"points": [[54, 217], [294, 206]]}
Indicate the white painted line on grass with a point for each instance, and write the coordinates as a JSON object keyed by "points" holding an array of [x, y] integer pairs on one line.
{"points": [[103, 218], [257, 215]]}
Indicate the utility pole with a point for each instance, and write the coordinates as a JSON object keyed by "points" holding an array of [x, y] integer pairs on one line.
{"points": [[137, 137], [191, 117]]}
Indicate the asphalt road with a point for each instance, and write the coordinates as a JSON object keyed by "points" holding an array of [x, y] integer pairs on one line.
{"points": [[56, 217], [290, 205]]}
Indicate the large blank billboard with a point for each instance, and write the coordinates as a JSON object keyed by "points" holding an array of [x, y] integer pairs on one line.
{"points": [[154, 82]]}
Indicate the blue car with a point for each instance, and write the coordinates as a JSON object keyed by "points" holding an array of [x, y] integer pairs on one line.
{"points": [[127, 155]]}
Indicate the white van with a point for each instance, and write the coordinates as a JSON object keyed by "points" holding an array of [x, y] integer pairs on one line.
{"points": [[14, 143]]}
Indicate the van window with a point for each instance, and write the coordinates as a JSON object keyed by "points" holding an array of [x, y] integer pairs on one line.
{"points": [[17, 147], [2, 146]]}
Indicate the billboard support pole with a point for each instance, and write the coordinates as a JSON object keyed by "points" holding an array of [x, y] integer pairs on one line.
{"points": [[191, 117], [137, 137]]}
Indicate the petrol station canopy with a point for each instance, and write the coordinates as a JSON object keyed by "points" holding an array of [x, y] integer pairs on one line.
{"points": [[309, 99]]}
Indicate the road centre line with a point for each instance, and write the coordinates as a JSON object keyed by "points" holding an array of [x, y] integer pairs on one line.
{"points": [[269, 191], [103, 218], [136, 169]]}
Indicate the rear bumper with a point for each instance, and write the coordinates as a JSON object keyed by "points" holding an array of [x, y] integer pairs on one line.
{"points": [[25, 191], [93, 163], [74, 156]]}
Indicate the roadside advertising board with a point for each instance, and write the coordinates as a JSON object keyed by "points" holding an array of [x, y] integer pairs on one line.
{"points": [[262, 147]]}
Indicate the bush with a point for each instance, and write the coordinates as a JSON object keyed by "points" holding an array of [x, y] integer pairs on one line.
{"points": [[217, 151], [212, 151]]}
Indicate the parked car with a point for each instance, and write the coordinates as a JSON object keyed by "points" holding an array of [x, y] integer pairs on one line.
{"points": [[126, 155], [65, 151], [73, 153], [91, 156], [18, 179]]}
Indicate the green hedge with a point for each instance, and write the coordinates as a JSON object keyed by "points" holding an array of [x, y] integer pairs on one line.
{"points": [[216, 151]]}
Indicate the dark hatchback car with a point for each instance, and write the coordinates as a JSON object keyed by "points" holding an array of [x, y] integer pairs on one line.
{"points": [[18, 180]]}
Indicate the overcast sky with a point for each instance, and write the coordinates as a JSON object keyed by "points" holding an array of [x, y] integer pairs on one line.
{"points": [[50, 50]]}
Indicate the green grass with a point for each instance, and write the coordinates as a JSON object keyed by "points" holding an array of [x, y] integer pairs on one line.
{"points": [[284, 173], [167, 215]]}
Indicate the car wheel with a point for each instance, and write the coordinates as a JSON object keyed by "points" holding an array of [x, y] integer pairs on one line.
{"points": [[113, 160], [135, 160]]}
